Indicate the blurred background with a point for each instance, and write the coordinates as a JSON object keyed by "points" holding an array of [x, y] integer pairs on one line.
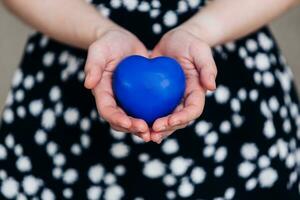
{"points": [[13, 36]]}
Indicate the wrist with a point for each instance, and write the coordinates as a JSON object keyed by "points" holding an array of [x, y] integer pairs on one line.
{"points": [[204, 29], [104, 28]]}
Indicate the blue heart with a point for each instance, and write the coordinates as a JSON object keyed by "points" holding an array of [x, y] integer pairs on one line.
{"points": [[148, 88]]}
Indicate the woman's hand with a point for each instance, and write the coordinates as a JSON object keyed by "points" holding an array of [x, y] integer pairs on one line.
{"points": [[103, 56], [195, 57]]}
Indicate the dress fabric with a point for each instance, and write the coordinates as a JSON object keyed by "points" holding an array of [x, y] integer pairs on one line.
{"points": [[53, 144]]}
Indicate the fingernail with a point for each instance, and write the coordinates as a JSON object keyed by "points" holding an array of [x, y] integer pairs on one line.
{"points": [[161, 128], [212, 78], [175, 123]]}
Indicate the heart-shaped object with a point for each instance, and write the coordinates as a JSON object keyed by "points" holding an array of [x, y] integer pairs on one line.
{"points": [[148, 88]]}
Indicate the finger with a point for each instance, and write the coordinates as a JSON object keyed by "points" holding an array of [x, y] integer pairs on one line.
{"points": [[158, 136], [107, 106], [161, 124], [205, 64], [193, 108], [95, 63], [140, 127]]}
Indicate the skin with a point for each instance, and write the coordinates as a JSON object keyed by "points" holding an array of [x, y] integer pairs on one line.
{"points": [[77, 23]]}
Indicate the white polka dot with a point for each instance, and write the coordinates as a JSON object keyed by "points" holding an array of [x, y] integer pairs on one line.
{"points": [[109, 179], [262, 61], [221, 154], [245, 169], [287, 127], [156, 28], [237, 120], [144, 6], [219, 171], [85, 140], [251, 45], [8, 116], [115, 4], [130, 4], [59, 159], [76, 149], [9, 188], [170, 146], [235, 105], [257, 78], [94, 192], [154, 169], [290, 161], [179, 165], [282, 148], [155, 3], [251, 184], [23, 164], [202, 127], [265, 110], [40, 137], [264, 41], [9, 141], [242, 52], [193, 3], [170, 195], [269, 129], [263, 161], [48, 59], [21, 196], [169, 180], [120, 170], [267, 177], [229, 193], [198, 175], [67, 193], [268, 79], [19, 95], [3, 174], [185, 189], [182, 6], [117, 134], [17, 78], [225, 127], [31, 185], [40, 76], [273, 104], [70, 176], [96, 173], [249, 62], [54, 94], [222, 94], [48, 119], [113, 192], [51, 148], [119, 150], [71, 116], [47, 194], [44, 41], [211, 138], [28, 82], [208, 151], [154, 13], [170, 18], [3, 152], [249, 151], [57, 173], [143, 157], [21, 112], [35, 107], [30, 48], [85, 124], [253, 95]]}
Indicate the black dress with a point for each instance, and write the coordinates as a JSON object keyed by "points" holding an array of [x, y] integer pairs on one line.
{"points": [[245, 146]]}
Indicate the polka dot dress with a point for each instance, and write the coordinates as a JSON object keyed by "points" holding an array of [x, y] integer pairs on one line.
{"points": [[53, 144]]}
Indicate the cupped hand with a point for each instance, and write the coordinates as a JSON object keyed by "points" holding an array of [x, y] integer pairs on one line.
{"points": [[195, 57], [103, 56]]}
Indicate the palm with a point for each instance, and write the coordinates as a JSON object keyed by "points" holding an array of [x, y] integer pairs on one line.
{"points": [[194, 56], [103, 57]]}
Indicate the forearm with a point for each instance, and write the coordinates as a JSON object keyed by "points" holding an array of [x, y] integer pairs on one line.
{"points": [[227, 20], [70, 21]]}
